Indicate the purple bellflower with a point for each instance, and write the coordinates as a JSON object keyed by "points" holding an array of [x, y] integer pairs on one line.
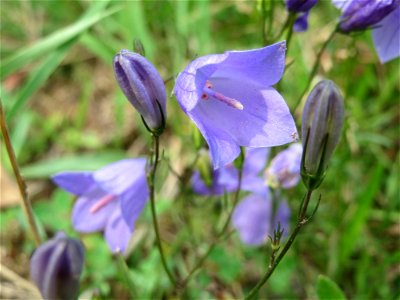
{"points": [[383, 16], [255, 220], [109, 199], [284, 169], [361, 14], [231, 100], [302, 8], [141, 83], [386, 36], [225, 179], [55, 267]]}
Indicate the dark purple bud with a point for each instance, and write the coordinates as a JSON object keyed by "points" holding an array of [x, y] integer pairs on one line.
{"points": [[56, 266], [361, 14], [322, 124], [141, 83], [300, 5]]}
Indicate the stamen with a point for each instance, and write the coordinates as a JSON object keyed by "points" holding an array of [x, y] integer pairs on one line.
{"points": [[101, 203], [207, 91]]}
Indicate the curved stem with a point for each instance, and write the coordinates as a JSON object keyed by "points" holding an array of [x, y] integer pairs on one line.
{"points": [[151, 179], [220, 235], [291, 20], [316, 65], [301, 221], [26, 204]]}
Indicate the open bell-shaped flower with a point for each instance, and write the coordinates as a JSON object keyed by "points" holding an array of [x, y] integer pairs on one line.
{"points": [[231, 100], [141, 83]]}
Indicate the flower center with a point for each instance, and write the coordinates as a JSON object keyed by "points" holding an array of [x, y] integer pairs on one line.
{"points": [[209, 92], [101, 203]]}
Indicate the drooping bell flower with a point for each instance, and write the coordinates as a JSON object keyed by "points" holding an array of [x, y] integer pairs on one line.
{"points": [[55, 267], [255, 219], [361, 14], [302, 9], [231, 100], [225, 179], [284, 169], [322, 124], [141, 83], [109, 199]]}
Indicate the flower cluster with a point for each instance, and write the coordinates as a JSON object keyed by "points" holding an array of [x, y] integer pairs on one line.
{"points": [[302, 8], [109, 199]]}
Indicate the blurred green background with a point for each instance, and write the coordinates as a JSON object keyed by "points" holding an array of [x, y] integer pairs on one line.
{"points": [[64, 111]]}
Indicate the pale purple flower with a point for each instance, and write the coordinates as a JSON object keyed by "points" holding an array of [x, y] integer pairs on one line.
{"points": [[284, 169], [143, 86], [109, 199], [225, 179], [361, 14], [231, 100], [386, 36], [255, 220], [55, 267]]}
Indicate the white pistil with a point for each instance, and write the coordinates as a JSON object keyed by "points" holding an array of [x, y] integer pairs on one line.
{"points": [[208, 92]]}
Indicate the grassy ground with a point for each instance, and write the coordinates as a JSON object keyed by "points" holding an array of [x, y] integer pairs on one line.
{"points": [[64, 111]]}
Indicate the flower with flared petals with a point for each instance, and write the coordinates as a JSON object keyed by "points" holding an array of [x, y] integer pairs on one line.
{"points": [[109, 199], [141, 83], [225, 179], [284, 169], [255, 220], [55, 267], [231, 100]]}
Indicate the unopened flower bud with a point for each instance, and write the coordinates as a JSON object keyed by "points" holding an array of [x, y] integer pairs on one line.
{"points": [[322, 124], [300, 5], [360, 14], [141, 83], [56, 266]]}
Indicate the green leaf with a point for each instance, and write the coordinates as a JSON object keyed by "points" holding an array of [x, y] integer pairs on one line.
{"points": [[48, 167], [328, 289], [38, 77], [54, 40]]}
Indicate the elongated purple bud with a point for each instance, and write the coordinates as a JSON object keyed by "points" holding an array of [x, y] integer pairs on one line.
{"points": [[322, 125], [300, 5], [141, 83], [361, 14], [56, 266]]}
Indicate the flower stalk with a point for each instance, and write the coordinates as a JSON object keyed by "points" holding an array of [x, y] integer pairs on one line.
{"points": [[151, 180], [301, 221], [26, 204]]}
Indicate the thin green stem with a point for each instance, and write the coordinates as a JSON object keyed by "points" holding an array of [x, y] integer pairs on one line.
{"points": [[151, 179], [26, 204], [301, 221], [316, 65], [270, 20], [291, 19], [220, 235]]}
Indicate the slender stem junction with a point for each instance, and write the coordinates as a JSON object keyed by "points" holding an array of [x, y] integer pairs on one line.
{"points": [[301, 221], [26, 204], [151, 179], [221, 235]]}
